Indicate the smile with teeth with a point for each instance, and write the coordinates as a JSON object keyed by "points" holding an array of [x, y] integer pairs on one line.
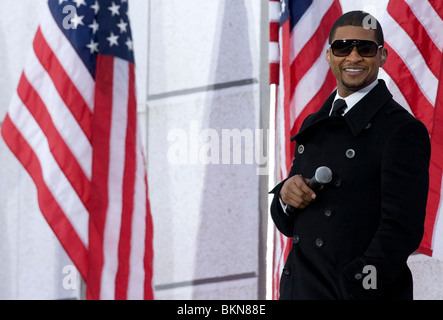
{"points": [[353, 70]]}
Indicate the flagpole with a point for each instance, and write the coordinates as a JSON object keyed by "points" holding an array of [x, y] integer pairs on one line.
{"points": [[264, 125]]}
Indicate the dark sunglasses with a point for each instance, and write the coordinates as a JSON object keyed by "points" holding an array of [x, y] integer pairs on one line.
{"points": [[365, 48]]}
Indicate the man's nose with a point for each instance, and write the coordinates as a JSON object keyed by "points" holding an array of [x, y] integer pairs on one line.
{"points": [[354, 55]]}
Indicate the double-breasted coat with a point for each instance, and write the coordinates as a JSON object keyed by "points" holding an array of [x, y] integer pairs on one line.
{"points": [[370, 217]]}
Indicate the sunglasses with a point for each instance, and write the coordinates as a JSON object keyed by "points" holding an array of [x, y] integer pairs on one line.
{"points": [[365, 48]]}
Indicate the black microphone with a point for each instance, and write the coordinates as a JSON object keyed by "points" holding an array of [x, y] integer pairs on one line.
{"points": [[323, 175]]}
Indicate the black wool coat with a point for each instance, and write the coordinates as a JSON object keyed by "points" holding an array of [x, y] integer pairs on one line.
{"points": [[353, 241]]}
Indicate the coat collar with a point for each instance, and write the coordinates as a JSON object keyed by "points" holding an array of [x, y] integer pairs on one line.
{"points": [[359, 116]]}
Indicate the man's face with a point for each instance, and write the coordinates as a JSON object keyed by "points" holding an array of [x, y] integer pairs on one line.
{"points": [[354, 72]]}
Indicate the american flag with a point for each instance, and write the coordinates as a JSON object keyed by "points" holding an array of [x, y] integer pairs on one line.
{"points": [[73, 126], [414, 38], [299, 31]]}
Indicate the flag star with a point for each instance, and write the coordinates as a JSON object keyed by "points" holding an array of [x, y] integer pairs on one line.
{"points": [[96, 7], [61, 1], [122, 25], [80, 3], [283, 7], [113, 39], [114, 9], [93, 46], [129, 44], [94, 26], [77, 20]]}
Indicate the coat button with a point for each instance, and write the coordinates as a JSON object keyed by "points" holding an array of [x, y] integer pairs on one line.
{"points": [[301, 149], [328, 213], [286, 272], [350, 153], [319, 243], [358, 276], [295, 239], [337, 182]]}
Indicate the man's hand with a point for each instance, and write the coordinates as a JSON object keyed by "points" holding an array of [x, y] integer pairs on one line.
{"points": [[296, 193]]}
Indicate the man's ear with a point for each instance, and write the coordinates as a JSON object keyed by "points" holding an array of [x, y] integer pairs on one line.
{"points": [[328, 56], [383, 56]]}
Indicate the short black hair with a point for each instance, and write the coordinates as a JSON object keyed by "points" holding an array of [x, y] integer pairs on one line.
{"points": [[358, 19]]}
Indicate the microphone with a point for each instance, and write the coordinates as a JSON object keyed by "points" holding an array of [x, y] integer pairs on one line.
{"points": [[323, 175]]}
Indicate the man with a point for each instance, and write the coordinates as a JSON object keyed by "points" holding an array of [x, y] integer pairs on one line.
{"points": [[352, 237]]}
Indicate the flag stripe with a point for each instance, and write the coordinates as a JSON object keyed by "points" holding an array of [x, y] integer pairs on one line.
{"points": [[116, 175], [100, 170], [310, 27], [314, 48], [99, 193], [59, 149], [124, 247], [56, 195], [63, 119], [148, 261], [429, 20], [433, 236], [68, 91], [420, 106], [274, 11], [55, 181], [141, 229], [51, 210], [326, 89], [415, 43], [276, 264], [309, 85], [406, 19], [286, 93], [400, 42], [273, 73], [438, 7], [273, 31], [274, 26], [68, 58], [274, 53]]}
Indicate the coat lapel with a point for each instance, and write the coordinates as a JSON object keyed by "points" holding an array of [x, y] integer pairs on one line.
{"points": [[357, 118]]}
